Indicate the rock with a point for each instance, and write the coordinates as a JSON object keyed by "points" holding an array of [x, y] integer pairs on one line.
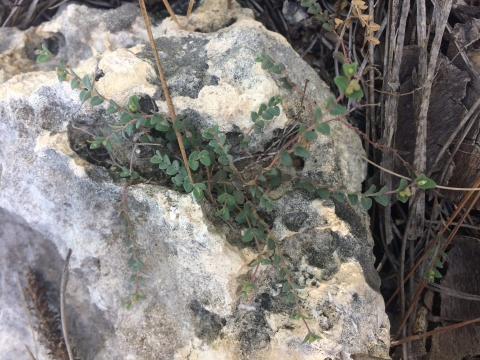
{"points": [[56, 194], [75, 34]]}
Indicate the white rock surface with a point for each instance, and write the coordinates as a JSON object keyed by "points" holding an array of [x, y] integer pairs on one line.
{"points": [[52, 199]]}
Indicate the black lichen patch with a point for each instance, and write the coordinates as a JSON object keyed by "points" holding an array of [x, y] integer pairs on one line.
{"points": [[295, 221], [317, 247], [207, 325], [358, 245], [185, 64], [253, 335]]}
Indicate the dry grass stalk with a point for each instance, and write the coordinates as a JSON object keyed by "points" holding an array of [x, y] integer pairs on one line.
{"points": [[47, 322]]}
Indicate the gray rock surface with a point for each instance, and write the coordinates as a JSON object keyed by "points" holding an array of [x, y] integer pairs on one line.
{"points": [[54, 197]]}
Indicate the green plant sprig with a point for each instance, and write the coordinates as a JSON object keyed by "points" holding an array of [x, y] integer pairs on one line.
{"points": [[348, 87], [235, 194], [227, 188]]}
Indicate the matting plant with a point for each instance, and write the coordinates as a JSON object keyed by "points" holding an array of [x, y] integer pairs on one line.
{"points": [[210, 171]]}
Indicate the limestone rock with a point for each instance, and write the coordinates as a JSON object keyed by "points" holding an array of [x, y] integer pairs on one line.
{"points": [[53, 197], [75, 34]]}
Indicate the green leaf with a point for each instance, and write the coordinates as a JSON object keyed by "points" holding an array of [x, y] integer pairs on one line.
{"points": [[267, 115], [366, 203], [301, 151], [276, 259], [43, 58], [286, 159], [262, 109], [337, 55], [94, 145], [424, 182], [198, 194], [403, 184], [223, 160], [96, 100], [241, 217], [353, 199], [193, 164], [275, 111], [441, 252], [200, 186], [74, 83], [259, 232], [271, 101], [341, 82], [291, 298], [324, 193], [44, 47], [275, 69], [270, 243], [329, 27], [371, 190], [254, 115], [239, 197], [193, 156], [323, 128], [306, 3], [310, 337], [156, 159], [286, 287], [84, 96], [162, 123], [317, 114], [248, 236], [286, 84], [133, 103], [403, 192], [339, 195], [173, 169], [310, 135], [338, 110], [436, 273], [382, 199], [301, 129], [178, 125], [266, 64], [205, 159], [357, 94], [349, 69], [111, 110], [140, 122], [108, 145], [61, 73], [260, 123], [129, 129], [226, 214], [438, 263], [125, 118], [86, 82]]}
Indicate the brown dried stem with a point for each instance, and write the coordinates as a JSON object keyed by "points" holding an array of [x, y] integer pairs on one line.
{"points": [[166, 92], [62, 305]]}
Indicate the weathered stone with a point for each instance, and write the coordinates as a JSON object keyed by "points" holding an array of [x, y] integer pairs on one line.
{"points": [[53, 197], [77, 33]]}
